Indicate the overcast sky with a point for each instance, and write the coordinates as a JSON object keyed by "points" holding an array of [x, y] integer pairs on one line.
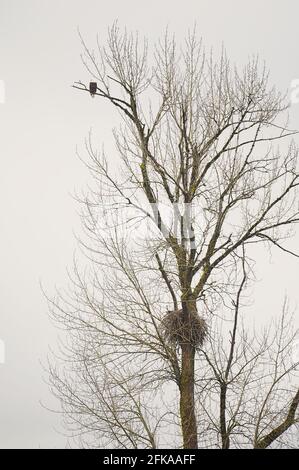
{"points": [[42, 121]]}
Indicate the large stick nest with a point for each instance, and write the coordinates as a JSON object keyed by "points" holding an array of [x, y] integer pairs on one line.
{"points": [[179, 329]]}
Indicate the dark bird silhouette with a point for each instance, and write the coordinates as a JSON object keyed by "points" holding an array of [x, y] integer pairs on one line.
{"points": [[92, 88]]}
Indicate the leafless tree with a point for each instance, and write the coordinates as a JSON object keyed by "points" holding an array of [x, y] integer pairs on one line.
{"points": [[159, 352], [247, 393]]}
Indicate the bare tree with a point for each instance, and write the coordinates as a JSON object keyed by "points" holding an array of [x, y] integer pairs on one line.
{"points": [[170, 236], [247, 393]]}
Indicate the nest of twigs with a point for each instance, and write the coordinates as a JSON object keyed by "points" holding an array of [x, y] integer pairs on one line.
{"points": [[177, 329]]}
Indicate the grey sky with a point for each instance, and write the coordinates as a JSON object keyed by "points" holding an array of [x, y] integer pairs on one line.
{"points": [[42, 121]]}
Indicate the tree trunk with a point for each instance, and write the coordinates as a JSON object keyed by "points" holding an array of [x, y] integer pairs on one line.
{"points": [[223, 428], [187, 412]]}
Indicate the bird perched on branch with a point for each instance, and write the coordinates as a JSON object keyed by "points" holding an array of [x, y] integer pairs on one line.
{"points": [[93, 88]]}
